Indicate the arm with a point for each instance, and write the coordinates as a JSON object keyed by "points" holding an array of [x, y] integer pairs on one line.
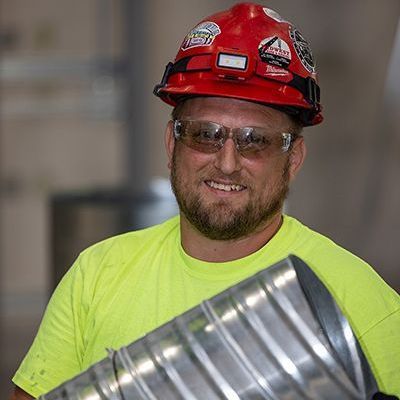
{"points": [[20, 394], [54, 355]]}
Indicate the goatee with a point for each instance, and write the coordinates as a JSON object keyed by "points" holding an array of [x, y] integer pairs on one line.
{"points": [[221, 221]]}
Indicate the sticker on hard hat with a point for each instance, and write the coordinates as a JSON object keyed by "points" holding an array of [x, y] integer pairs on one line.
{"points": [[303, 49], [201, 35], [275, 72], [274, 15], [275, 51]]}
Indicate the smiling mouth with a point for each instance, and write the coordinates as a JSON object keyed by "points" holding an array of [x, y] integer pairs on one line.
{"points": [[225, 187]]}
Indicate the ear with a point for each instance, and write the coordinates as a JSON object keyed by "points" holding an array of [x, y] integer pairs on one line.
{"points": [[296, 157], [169, 142]]}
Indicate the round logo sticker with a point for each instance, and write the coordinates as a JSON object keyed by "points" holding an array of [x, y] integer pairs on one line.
{"points": [[274, 15], [303, 49], [202, 35], [275, 51]]}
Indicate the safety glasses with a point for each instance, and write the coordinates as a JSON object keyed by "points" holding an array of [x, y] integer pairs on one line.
{"points": [[209, 137]]}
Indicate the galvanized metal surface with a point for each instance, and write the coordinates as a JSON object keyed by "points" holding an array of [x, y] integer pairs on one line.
{"points": [[260, 339]]}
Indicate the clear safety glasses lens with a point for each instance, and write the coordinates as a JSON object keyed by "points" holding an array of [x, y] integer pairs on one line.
{"points": [[209, 137]]}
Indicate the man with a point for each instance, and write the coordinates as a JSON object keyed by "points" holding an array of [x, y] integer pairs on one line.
{"points": [[243, 85]]}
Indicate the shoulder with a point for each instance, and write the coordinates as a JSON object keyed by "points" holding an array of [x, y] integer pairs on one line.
{"points": [[316, 246], [120, 255], [125, 245], [328, 258], [361, 293]]}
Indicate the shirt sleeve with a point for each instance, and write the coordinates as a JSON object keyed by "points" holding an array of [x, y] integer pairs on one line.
{"points": [[56, 352], [382, 346]]}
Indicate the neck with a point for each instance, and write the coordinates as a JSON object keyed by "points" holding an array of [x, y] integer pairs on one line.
{"points": [[205, 249]]}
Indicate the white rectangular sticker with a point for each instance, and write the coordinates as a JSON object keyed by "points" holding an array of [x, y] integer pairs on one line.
{"points": [[232, 61]]}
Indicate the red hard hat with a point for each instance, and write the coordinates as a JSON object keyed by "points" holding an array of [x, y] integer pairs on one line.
{"points": [[248, 52]]}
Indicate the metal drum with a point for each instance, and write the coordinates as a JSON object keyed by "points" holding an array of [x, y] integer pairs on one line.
{"points": [[277, 335]]}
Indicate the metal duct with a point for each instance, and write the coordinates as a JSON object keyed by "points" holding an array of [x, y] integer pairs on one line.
{"points": [[276, 335]]}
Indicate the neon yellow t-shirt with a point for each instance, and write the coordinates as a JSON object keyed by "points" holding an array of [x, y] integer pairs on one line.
{"points": [[126, 286]]}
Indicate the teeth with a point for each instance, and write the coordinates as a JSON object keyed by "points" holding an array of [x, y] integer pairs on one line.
{"points": [[226, 188]]}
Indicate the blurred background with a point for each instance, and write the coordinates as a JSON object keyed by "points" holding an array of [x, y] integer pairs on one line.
{"points": [[81, 135]]}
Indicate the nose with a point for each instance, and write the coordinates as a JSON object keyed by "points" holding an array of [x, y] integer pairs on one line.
{"points": [[228, 159]]}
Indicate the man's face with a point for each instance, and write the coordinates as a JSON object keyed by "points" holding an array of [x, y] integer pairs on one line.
{"points": [[225, 195]]}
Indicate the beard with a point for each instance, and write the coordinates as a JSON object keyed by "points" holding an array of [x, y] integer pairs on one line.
{"points": [[220, 220]]}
